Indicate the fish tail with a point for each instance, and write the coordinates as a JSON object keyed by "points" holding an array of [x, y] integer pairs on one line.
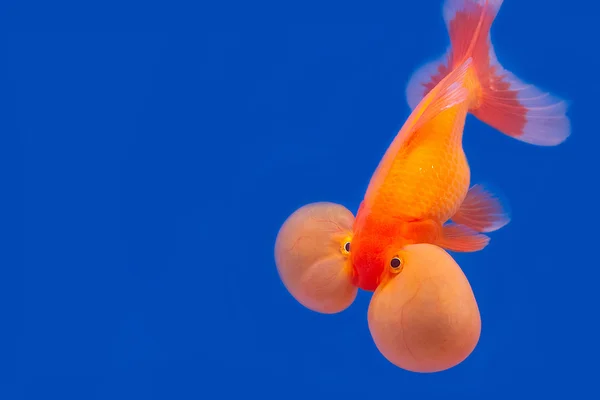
{"points": [[498, 98]]}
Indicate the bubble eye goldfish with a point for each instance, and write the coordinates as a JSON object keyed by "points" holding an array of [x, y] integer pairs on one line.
{"points": [[418, 203]]}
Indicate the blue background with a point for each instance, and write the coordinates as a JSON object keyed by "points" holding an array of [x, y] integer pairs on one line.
{"points": [[149, 153]]}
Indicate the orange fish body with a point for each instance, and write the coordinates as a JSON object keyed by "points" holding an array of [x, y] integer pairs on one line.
{"points": [[420, 184], [423, 179], [423, 315]]}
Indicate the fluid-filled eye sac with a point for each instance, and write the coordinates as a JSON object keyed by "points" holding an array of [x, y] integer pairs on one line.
{"points": [[311, 253], [425, 318]]}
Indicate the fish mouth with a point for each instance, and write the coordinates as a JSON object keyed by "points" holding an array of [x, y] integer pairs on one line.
{"points": [[365, 273], [368, 284]]}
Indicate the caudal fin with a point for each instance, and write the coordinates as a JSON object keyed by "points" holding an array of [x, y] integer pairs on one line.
{"points": [[503, 101]]}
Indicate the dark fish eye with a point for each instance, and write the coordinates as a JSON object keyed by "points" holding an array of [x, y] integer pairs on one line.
{"points": [[395, 263], [347, 247]]}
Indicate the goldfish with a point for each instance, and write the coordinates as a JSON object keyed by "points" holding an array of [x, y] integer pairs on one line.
{"points": [[419, 205]]}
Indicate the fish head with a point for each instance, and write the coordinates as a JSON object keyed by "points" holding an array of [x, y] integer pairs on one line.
{"points": [[371, 255], [374, 249]]}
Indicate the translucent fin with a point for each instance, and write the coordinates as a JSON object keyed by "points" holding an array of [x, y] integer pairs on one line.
{"points": [[498, 98], [461, 238], [425, 78], [520, 110], [447, 94], [482, 210], [468, 23], [504, 102]]}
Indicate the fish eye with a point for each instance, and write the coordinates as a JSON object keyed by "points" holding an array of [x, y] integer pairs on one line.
{"points": [[345, 246], [396, 263]]}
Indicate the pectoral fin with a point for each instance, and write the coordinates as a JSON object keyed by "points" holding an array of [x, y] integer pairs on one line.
{"points": [[461, 238], [483, 210]]}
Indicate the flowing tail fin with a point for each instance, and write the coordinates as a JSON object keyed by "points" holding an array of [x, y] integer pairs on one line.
{"points": [[503, 101]]}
